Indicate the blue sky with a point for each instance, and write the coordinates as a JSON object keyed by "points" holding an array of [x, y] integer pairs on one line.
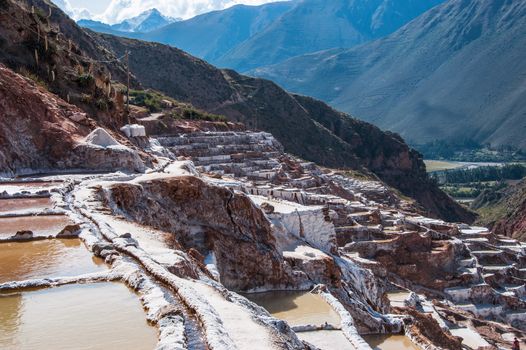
{"points": [[113, 11]]}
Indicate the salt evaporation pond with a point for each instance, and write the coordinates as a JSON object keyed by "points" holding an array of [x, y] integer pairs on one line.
{"points": [[390, 342], [297, 308], [31, 186], [44, 225], [326, 340], [397, 298], [15, 204], [470, 337], [47, 258], [92, 316]]}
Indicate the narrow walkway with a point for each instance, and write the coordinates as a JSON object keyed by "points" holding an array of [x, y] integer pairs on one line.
{"points": [[244, 331]]}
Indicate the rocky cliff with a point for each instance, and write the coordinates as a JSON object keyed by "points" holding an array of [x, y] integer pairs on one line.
{"points": [[219, 221], [504, 210], [38, 41], [40, 131]]}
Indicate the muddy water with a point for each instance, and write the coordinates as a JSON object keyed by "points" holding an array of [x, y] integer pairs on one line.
{"points": [[398, 295], [326, 340], [36, 204], [470, 337], [397, 298], [297, 308], [40, 225], [390, 342], [49, 258], [82, 317]]}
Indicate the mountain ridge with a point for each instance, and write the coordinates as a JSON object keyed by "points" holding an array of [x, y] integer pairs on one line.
{"points": [[454, 72], [316, 25], [243, 37]]}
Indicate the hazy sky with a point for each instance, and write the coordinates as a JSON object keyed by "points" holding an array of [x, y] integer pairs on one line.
{"points": [[113, 11]]}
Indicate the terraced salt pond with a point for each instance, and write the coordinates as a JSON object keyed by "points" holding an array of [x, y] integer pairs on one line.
{"points": [[302, 308], [91, 316], [390, 342], [47, 258], [397, 298], [470, 337], [43, 225], [30, 186], [20, 204], [297, 308]]}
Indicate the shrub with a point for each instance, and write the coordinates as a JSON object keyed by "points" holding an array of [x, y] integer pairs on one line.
{"points": [[85, 80], [193, 114], [35, 78], [102, 104], [148, 99], [85, 98]]}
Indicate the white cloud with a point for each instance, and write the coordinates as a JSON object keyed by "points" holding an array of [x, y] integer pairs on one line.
{"points": [[119, 10], [75, 13]]}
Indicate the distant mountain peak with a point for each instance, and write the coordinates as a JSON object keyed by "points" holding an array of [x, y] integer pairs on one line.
{"points": [[147, 21]]}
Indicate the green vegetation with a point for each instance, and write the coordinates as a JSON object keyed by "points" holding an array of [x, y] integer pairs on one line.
{"points": [[469, 151], [157, 102], [102, 104], [355, 174], [85, 80], [470, 183], [26, 73], [481, 174], [194, 114], [439, 165], [152, 100], [471, 190]]}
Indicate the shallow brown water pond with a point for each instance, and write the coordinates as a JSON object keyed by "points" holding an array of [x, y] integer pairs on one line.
{"points": [[390, 342], [48, 258], [81, 317], [14, 204], [44, 225], [297, 308], [326, 340]]}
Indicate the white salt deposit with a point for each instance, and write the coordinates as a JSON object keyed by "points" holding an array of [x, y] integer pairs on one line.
{"points": [[100, 137]]}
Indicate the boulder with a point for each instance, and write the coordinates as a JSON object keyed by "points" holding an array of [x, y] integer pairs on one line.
{"points": [[23, 236], [69, 231], [267, 208]]}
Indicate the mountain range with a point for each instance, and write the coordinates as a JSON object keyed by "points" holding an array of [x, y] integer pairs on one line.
{"points": [[456, 72], [143, 23], [245, 37]]}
